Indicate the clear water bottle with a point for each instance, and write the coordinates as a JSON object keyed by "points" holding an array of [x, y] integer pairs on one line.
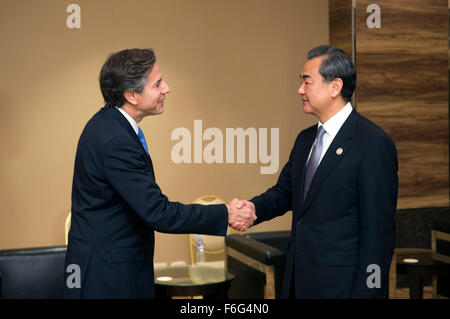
{"points": [[200, 255]]}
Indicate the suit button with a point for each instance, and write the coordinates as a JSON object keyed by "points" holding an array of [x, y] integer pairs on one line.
{"points": [[300, 221]]}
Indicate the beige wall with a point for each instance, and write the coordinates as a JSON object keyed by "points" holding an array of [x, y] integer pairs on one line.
{"points": [[229, 63]]}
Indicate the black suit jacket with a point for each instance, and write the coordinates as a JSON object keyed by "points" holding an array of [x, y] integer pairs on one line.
{"points": [[346, 222], [116, 206]]}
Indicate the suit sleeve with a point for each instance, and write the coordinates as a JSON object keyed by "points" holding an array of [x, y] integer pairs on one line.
{"points": [[126, 170], [277, 200], [378, 187]]}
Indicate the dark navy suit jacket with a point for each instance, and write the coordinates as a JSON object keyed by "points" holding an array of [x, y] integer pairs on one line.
{"points": [[116, 206], [346, 222]]}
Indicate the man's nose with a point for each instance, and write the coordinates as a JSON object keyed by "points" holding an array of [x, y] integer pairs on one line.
{"points": [[301, 89], [166, 88]]}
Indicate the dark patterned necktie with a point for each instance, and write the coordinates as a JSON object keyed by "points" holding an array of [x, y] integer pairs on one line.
{"points": [[314, 160]]}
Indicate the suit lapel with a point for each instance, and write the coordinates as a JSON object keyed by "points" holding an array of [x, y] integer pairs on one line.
{"points": [[114, 113], [331, 158]]}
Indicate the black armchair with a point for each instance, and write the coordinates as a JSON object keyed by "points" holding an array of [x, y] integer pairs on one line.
{"points": [[440, 246], [257, 260], [32, 273]]}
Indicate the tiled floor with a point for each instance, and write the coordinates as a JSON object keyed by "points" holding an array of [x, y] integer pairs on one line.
{"points": [[403, 293]]}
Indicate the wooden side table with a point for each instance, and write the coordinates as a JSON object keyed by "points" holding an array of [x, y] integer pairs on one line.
{"points": [[418, 263], [209, 279]]}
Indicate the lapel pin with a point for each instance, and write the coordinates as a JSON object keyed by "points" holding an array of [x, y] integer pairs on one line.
{"points": [[339, 151]]}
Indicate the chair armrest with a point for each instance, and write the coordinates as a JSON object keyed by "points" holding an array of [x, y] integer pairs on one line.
{"points": [[252, 248], [33, 251], [441, 225]]}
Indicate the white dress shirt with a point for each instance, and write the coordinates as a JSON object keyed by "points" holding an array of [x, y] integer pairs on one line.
{"points": [[133, 123], [332, 127]]}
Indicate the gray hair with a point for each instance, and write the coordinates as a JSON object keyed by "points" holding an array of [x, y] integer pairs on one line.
{"points": [[336, 64], [126, 70]]}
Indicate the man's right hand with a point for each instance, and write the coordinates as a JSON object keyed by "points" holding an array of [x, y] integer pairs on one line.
{"points": [[241, 214]]}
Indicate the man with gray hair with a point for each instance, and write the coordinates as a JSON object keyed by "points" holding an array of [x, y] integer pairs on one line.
{"points": [[116, 203], [341, 183]]}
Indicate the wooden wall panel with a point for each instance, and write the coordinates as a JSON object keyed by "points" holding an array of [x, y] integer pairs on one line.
{"points": [[340, 24], [403, 87]]}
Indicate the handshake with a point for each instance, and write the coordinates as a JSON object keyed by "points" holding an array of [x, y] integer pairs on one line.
{"points": [[241, 214]]}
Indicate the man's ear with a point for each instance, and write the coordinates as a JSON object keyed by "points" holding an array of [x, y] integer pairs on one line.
{"points": [[336, 87], [130, 97]]}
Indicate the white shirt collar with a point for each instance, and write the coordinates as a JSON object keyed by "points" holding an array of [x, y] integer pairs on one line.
{"points": [[133, 123], [333, 125]]}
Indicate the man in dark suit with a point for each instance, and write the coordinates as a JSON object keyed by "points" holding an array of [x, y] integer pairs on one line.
{"points": [[116, 202], [341, 184]]}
